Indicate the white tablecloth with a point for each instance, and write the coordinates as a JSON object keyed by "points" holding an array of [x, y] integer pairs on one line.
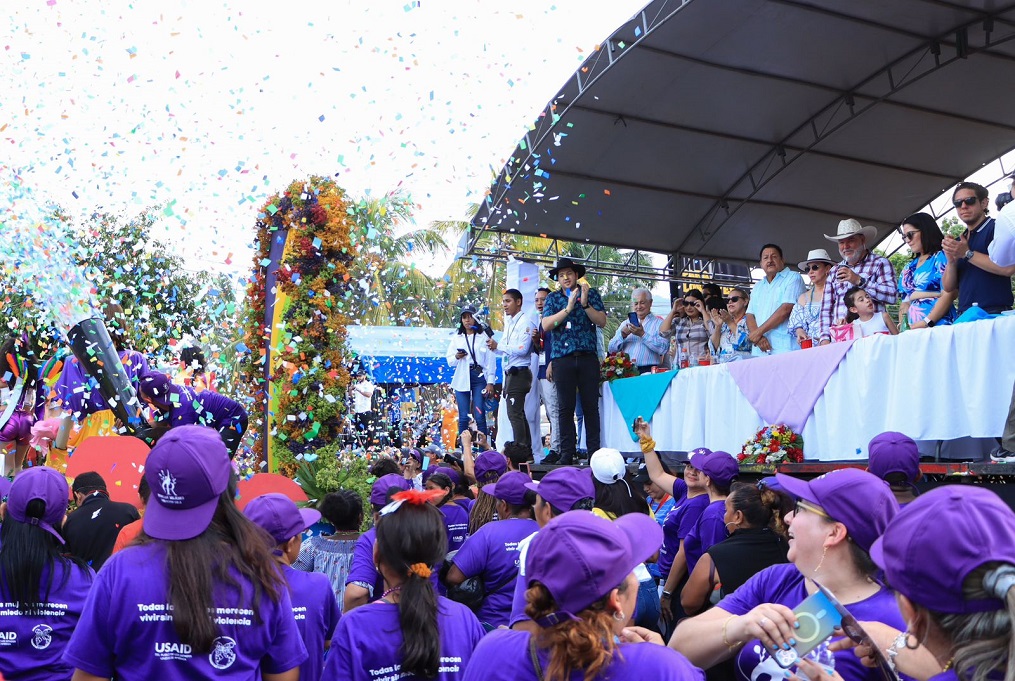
{"points": [[934, 384]]}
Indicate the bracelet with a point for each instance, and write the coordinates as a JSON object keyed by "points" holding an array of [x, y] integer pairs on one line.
{"points": [[893, 650], [648, 445], [726, 640], [667, 594]]}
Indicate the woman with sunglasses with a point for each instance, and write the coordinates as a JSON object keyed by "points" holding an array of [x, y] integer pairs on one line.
{"points": [[805, 319], [837, 519], [692, 336], [924, 302], [729, 339]]}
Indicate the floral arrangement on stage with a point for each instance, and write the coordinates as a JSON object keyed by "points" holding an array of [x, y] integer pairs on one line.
{"points": [[304, 248], [617, 365], [771, 446]]}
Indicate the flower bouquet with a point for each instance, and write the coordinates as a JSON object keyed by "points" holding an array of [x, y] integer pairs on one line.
{"points": [[617, 365], [771, 446]]}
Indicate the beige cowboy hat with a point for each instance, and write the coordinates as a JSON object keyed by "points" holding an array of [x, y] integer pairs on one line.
{"points": [[816, 255], [851, 227]]}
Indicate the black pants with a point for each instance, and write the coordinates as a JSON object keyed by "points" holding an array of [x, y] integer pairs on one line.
{"points": [[516, 389], [577, 372]]}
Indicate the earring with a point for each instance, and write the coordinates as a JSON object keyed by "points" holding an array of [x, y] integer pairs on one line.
{"points": [[822, 561], [620, 616], [731, 523]]}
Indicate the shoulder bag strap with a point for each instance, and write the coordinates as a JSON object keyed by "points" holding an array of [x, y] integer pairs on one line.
{"points": [[534, 656]]}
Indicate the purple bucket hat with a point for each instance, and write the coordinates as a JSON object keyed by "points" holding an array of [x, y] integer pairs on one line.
{"points": [[510, 487], [894, 453], [279, 516], [489, 463], [47, 485], [563, 487], [187, 470], [720, 467], [379, 491], [937, 540], [598, 555], [859, 500]]}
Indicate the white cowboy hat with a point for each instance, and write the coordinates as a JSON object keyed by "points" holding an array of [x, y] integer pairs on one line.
{"points": [[851, 227], [816, 255]]}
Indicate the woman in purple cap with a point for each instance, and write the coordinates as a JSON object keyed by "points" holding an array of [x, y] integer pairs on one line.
{"points": [[411, 632], [895, 458], [456, 518], [412, 467], [837, 518], [950, 556], [488, 468], [364, 583], [42, 588], [582, 592], [331, 554], [691, 495], [197, 597], [178, 405], [314, 606], [492, 553]]}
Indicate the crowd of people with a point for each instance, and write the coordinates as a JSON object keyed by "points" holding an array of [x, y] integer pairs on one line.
{"points": [[472, 570]]}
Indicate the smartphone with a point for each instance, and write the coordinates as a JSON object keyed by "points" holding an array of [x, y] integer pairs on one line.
{"points": [[853, 630], [818, 618], [488, 331], [632, 318], [426, 462]]}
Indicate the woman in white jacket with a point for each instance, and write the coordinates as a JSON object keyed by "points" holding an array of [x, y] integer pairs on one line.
{"points": [[475, 370]]}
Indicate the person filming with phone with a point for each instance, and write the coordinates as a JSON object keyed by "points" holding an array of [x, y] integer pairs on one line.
{"points": [[639, 335]]}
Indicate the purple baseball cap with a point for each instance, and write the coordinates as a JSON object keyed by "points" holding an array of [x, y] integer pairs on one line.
{"points": [[580, 557], [937, 540], [428, 472], [379, 491], [859, 500], [720, 467], [510, 487], [157, 387], [489, 466], [893, 452], [563, 487], [187, 471], [450, 472], [279, 516], [47, 485], [5, 487]]}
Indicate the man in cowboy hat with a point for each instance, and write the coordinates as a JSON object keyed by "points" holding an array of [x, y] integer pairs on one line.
{"points": [[859, 267], [572, 313]]}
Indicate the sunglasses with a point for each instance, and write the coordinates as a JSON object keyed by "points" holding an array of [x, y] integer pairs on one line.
{"points": [[968, 201], [802, 505], [908, 236], [813, 268], [735, 299]]}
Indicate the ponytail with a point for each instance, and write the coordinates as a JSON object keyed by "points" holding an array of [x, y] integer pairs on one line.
{"points": [[410, 541]]}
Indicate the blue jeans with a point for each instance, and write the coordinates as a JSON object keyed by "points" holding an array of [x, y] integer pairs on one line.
{"points": [[647, 607], [472, 402]]}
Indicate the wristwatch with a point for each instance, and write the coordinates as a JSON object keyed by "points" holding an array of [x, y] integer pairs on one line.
{"points": [[863, 282], [968, 256], [586, 306], [930, 322]]}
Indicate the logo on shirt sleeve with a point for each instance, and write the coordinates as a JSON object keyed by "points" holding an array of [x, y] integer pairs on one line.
{"points": [[223, 653]]}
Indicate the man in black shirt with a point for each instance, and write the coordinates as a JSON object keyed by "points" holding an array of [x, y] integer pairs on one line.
{"points": [[91, 530]]}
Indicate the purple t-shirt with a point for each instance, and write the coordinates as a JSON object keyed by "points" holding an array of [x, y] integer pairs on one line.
{"points": [[783, 584], [32, 641], [316, 612], [126, 629], [456, 519], [206, 408], [521, 584], [365, 647], [79, 393], [362, 570], [504, 656], [708, 531], [678, 524], [492, 553]]}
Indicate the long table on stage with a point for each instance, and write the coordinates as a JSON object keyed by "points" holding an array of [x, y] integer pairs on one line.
{"points": [[935, 385]]}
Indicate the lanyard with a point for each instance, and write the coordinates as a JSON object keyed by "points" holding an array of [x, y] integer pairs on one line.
{"points": [[472, 348]]}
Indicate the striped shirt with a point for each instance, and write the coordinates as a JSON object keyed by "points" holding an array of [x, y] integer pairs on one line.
{"points": [[646, 350], [880, 286]]}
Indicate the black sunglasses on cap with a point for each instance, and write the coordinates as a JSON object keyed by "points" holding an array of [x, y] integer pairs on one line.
{"points": [[968, 201]]}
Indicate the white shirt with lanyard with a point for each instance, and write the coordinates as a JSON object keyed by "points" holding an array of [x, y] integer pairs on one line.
{"points": [[516, 345]]}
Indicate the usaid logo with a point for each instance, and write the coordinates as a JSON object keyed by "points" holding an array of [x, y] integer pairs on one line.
{"points": [[223, 653], [8, 638], [170, 650], [43, 636], [167, 485]]}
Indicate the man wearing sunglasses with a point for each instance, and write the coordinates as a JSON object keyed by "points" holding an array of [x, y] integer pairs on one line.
{"points": [[979, 280], [861, 267]]}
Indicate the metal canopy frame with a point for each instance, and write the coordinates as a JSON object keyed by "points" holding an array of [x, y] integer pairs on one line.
{"points": [[551, 184]]}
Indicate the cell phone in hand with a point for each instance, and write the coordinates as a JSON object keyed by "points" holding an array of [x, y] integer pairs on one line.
{"points": [[632, 319], [488, 331], [817, 619]]}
